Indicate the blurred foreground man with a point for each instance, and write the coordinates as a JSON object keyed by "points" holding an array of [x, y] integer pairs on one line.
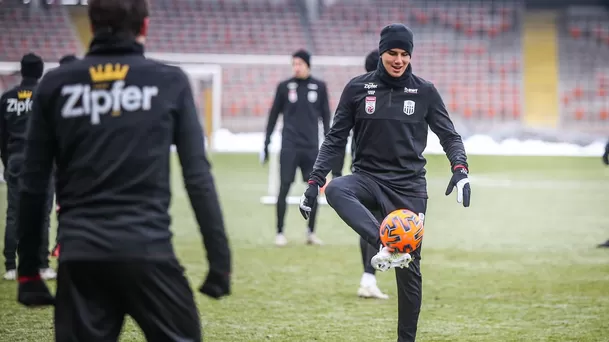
{"points": [[303, 101], [390, 111], [15, 112], [108, 121]]}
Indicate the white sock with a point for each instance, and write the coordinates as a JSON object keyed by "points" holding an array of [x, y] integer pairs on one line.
{"points": [[367, 280]]}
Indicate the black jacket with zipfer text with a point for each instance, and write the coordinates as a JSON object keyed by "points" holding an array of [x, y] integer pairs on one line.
{"points": [[15, 109], [109, 120]]}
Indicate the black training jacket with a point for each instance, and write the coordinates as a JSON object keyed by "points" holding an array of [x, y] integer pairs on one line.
{"points": [[303, 102], [390, 126], [15, 109], [108, 121]]}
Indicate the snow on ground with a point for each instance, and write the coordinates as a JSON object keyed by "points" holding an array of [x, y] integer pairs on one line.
{"points": [[225, 141]]}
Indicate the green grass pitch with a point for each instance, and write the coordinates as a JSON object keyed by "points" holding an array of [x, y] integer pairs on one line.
{"points": [[519, 265]]}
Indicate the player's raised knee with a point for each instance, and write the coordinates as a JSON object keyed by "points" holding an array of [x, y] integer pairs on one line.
{"points": [[334, 189]]}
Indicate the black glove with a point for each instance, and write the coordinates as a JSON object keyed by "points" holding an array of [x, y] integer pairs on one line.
{"points": [[264, 155], [216, 285], [33, 292], [309, 199], [461, 182]]}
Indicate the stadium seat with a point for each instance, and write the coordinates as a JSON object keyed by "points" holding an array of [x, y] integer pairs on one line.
{"points": [[52, 37]]}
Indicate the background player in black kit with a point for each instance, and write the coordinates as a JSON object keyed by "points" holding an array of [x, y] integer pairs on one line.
{"points": [[108, 120], [15, 110], [368, 287], [303, 101], [389, 111]]}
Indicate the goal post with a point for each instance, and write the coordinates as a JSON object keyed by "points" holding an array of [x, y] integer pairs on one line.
{"points": [[206, 84]]}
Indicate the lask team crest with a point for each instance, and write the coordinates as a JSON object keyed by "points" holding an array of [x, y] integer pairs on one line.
{"points": [[408, 107], [370, 104]]}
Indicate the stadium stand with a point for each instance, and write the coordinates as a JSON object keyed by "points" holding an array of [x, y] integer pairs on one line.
{"points": [[237, 27], [471, 50], [584, 72], [49, 33]]}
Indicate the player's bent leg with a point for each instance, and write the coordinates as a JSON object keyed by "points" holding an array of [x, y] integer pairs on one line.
{"points": [[88, 307], [346, 196], [161, 301], [409, 286], [408, 280]]}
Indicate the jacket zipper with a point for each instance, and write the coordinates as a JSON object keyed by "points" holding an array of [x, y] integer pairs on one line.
{"points": [[390, 93]]}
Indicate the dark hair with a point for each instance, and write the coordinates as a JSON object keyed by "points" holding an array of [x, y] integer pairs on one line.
{"points": [[67, 59], [118, 16]]}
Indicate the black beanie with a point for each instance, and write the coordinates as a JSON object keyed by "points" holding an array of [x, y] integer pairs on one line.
{"points": [[67, 59], [396, 36], [304, 55], [31, 66], [372, 60]]}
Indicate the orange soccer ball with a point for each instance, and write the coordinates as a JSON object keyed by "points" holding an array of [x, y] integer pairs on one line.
{"points": [[402, 230]]}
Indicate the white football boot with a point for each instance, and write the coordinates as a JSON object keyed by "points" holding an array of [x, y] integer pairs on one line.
{"points": [[369, 289], [385, 260], [10, 275], [48, 273], [312, 239], [280, 240]]}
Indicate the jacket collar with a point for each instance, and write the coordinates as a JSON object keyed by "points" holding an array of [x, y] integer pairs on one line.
{"points": [[112, 44], [394, 82], [28, 81]]}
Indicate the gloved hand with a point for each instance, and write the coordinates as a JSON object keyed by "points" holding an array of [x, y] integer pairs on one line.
{"points": [[461, 182], [309, 199], [216, 285], [264, 155], [33, 292]]}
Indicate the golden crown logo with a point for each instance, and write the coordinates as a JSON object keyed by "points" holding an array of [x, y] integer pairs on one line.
{"points": [[108, 72], [24, 94]]}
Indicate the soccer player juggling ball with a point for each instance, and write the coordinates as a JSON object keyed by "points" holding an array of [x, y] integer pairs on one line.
{"points": [[390, 112]]}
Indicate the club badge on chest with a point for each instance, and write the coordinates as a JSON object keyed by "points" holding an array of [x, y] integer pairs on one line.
{"points": [[312, 96], [370, 104], [409, 107], [292, 95]]}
